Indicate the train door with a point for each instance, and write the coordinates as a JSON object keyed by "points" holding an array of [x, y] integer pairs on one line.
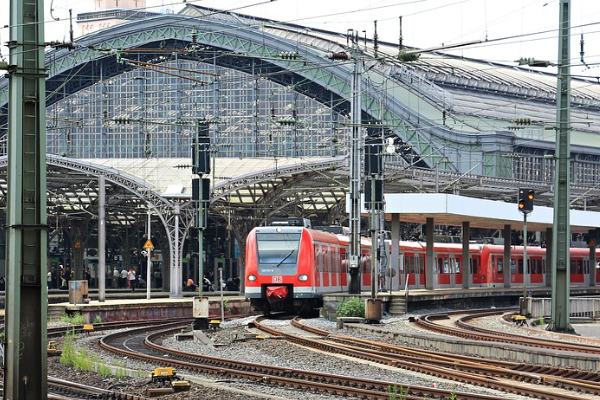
{"points": [[414, 270], [366, 270], [334, 269], [457, 271], [536, 270], [420, 267], [578, 270], [343, 255], [444, 266], [317, 267], [516, 265], [326, 282], [475, 267], [411, 274], [496, 275]]}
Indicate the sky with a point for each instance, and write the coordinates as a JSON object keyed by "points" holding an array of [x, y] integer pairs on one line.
{"points": [[506, 29]]}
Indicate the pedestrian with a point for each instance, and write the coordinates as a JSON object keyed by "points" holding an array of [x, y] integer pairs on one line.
{"points": [[87, 276], [67, 277], [123, 280], [190, 285], [207, 285], [131, 278], [116, 278], [49, 279], [55, 283]]}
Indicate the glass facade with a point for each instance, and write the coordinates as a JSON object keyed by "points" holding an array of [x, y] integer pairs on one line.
{"points": [[148, 113]]}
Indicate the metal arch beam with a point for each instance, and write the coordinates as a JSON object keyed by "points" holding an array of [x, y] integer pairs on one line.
{"points": [[226, 188], [164, 208], [244, 41]]}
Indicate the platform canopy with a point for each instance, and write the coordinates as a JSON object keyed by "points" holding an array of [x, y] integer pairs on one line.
{"points": [[452, 210]]}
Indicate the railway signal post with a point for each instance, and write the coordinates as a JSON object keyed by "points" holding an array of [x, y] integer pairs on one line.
{"points": [[525, 205]]}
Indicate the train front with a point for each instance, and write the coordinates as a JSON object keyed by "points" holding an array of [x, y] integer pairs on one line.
{"points": [[277, 269]]}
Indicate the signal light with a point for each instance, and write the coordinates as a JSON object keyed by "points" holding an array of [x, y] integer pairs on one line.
{"points": [[525, 201]]}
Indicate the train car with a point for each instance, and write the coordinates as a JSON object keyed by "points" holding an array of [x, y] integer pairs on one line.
{"points": [[448, 264], [492, 268], [289, 268]]}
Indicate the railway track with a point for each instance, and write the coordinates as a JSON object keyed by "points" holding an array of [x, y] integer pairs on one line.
{"points": [[467, 331], [135, 343], [499, 375], [60, 389]]}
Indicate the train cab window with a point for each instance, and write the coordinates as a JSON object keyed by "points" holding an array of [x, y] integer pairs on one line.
{"points": [[277, 250]]}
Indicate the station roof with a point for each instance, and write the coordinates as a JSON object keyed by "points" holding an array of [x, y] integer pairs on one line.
{"points": [[447, 209]]}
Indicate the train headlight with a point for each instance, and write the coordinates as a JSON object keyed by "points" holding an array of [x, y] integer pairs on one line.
{"points": [[251, 278], [303, 278]]}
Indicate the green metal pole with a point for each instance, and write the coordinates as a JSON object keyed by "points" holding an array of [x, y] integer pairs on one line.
{"points": [[561, 239], [25, 359]]}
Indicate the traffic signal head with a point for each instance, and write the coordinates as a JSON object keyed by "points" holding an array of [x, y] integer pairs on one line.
{"points": [[525, 203]]}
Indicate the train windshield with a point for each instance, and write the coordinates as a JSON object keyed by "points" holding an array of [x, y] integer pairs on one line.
{"points": [[277, 249]]}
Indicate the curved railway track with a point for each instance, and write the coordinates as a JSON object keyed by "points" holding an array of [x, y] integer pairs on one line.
{"points": [[60, 389], [135, 343], [499, 375], [468, 331]]}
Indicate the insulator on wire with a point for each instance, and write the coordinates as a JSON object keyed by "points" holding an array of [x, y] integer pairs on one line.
{"points": [[342, 55]]}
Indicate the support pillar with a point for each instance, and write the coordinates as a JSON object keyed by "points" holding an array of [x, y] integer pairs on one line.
{"points": [[506, 262], [592, 244], [102, 238], [395, 265], [176, 280], [430, 276], [466, 255], [549, 274]]}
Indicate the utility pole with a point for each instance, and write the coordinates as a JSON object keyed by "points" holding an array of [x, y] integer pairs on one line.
{"points": [[355, 170], [561, 238], [25, 359]]}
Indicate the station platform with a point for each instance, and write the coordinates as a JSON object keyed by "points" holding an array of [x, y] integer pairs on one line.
{"points": [[124, 304], [136, 306], [399, 301]]}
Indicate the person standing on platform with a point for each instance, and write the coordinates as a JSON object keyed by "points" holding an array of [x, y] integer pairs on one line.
{"points": [[87, 276], [131, 277], [49, 279], [123, 280], [116, 278]]}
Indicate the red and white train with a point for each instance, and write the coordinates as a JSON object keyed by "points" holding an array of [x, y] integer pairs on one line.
{"points": [[289, 268]]}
